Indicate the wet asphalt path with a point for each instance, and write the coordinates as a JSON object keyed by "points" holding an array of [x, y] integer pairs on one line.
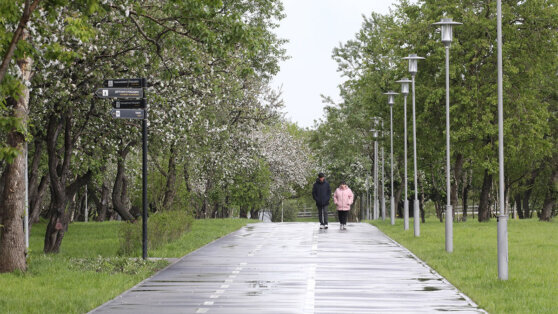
{"points": [[295, 268]]}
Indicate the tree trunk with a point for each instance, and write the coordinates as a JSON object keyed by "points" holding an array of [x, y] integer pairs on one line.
{"points": [[254, 213], [518, 205], [59, 171], [397, 198], [458, 173], [243, 213], [119, 197], [12, 240], [353, 213], [527, 195], [484, 204], [550, 197], [170, 189], [465, 194], [37, 188], [101, 203]]}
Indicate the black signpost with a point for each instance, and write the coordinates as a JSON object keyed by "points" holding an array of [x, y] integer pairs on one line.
{"points": [[130, 103]]}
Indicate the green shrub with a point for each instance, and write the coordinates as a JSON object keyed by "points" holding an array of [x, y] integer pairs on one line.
{"points": [[114, 265], [162, 228]]}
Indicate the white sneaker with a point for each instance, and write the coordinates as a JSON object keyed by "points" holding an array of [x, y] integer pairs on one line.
{"points": [[344, 227], [340, 227], [321, 226], [325, 226]]}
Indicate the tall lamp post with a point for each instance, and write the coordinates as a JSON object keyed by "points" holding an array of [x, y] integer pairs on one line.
{"points": [[405, 91], [376, 202], [391, 102], [383, 195], [447, 37], [502, 217], [413, 69]]}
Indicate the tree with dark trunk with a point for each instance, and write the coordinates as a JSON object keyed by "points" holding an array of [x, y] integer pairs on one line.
{"points": [[37, 187], [550, 197], [119, 191], [170, 189], [457, 173], [484, 203], [101, 203], [62, 191], [467, 179]]}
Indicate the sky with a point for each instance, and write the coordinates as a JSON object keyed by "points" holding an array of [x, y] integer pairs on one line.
{"points": [[314, 28]]}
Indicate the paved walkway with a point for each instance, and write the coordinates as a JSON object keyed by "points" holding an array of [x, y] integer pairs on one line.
{"points": [[295, 268]]}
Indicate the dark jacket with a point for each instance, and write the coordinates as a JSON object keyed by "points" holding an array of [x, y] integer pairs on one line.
{"points": [[321, 192]]}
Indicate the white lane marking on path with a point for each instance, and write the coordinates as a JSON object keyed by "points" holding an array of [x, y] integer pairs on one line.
{"points": [[223, 287], [314, 243], [310, 290]]}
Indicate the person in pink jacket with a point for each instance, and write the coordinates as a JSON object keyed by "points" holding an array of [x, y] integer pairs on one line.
{"points": [[343, 198]]}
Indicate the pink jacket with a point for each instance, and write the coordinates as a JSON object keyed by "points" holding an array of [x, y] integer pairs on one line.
{"points": [[343, 198]]}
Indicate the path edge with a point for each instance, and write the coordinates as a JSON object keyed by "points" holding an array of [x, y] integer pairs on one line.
{"points": [[424, 264]]}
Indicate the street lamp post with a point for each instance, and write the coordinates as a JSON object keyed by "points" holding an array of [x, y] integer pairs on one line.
{"points": [[383, 195], [405, 91], [413, 69], [502, 233], [376, 203], [447, 37], [391, 102]]}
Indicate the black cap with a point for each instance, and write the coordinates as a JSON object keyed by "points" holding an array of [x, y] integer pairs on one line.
{"points": [[321, 175]]}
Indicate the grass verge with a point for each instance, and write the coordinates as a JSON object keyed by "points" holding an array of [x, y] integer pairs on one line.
{"points": [[532, 286], [87, 272]]}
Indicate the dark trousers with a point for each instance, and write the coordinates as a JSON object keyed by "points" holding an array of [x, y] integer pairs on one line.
{"points": [[343, 216], [322, 214]]}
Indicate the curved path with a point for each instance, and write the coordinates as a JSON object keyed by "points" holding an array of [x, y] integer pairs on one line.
{"points": [[295, 268]]}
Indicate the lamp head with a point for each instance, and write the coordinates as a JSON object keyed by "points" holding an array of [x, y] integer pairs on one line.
{"points": [[404, 85], [391, 97], [413, 63], [447, 26]]}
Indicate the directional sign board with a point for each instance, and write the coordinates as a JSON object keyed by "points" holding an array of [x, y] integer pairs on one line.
{"points": [[129, 103], [130, 83], [119, 92], [128, 113]]}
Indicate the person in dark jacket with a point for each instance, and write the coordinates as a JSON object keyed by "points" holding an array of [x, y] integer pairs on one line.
{"points": [[321, 192]]}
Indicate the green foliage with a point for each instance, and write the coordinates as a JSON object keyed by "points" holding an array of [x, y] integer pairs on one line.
{"points": [[472, 267], [115, 265], [163, 228]]}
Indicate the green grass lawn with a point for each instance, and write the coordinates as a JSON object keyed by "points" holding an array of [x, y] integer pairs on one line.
{"points": [[532, 286], [86, 273]]}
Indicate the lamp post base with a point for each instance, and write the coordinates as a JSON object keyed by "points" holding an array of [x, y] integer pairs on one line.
{"points": [[383, 208], [392, 210], [416, 220], [503, 247], [449, 228], [406, 214]]}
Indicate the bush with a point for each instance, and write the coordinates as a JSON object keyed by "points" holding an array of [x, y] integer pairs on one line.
{"points": [[162, 228], [115, 265]]}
